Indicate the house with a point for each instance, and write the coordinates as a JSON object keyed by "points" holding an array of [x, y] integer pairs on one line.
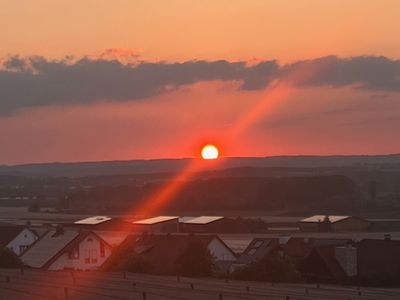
{"points": [[255, 251], [379, 261], [208, 224], [330, 264], [62, 249], [158, 224], [295, 247], [103, 223], [16, 238], [113, 238], [326, 223], [162, 251], [298, 248]]}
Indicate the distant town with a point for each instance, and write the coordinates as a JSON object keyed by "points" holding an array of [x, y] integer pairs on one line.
{"points": [[295, 232]]}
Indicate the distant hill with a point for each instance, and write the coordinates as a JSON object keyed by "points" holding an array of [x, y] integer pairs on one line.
{"points": [[81, 169], [301, 195]]}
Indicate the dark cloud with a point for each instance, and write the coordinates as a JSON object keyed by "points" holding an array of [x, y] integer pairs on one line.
{"points": [[37, 81], [376, 73]]}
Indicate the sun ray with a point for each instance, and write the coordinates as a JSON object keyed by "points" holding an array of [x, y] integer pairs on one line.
{"points": [[274, 94]]}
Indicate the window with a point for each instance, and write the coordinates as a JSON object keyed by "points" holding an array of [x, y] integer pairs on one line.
{"points": [[87, 257], [102, 250], [252, 251], [93, 256], [22, 248], [74, 254]]}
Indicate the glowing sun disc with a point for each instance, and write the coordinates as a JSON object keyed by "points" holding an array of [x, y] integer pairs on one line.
{"points": [[209, 152]]}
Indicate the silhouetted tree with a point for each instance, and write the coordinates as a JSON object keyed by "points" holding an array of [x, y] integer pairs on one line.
{"points": [[134, 262], [272, 268], [9, 259], [195, 260]]}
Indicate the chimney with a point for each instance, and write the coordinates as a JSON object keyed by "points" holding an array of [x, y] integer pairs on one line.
{"points": [[347, 259]]}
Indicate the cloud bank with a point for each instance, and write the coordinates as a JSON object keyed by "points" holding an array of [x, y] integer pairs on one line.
{"points": [[37, 81]]}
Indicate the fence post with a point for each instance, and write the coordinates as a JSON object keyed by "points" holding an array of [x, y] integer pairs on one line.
{"points": [[220, 297], [144, 295], [192, 286]]}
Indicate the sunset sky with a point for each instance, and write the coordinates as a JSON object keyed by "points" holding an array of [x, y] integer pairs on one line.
{"points": [[116, 80]]}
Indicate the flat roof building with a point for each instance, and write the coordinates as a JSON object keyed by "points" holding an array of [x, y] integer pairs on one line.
{"points": [[208, 224], [158, 224], [327, 223]]}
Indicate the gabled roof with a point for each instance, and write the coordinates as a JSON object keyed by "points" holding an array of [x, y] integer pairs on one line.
{"points": [[327, 254], [237, 246], [296, 247], [156, 220], [300, 247], [161, 250], [93, 220], [46, 247], [379, 260], [202, 220], [52, 245], [8, 233], [113, 238], [257, 249], [73, 244]]}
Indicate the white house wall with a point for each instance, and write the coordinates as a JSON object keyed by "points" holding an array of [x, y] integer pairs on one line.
{"points": [[85, 248], [24, 239], [220, 251]]}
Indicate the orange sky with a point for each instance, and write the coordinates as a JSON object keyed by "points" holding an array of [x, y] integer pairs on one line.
{"points": [[182, 30], [308, 120]]}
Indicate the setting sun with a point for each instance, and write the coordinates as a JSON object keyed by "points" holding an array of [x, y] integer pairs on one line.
{"points": [[209, 152]]}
